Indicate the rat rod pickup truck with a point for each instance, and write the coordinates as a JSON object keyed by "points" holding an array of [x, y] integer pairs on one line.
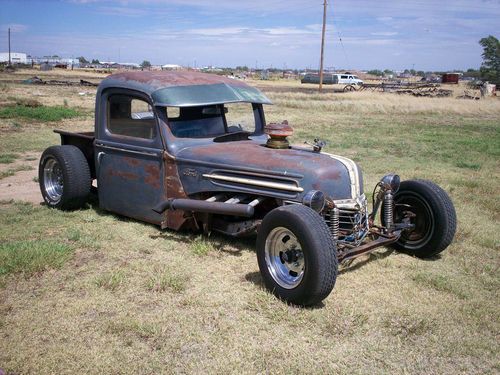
{"points": [[186, 150]]}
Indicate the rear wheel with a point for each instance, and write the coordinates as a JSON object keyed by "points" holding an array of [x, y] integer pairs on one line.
{"points": [[296, 255], [432, 213], [64, 177]]}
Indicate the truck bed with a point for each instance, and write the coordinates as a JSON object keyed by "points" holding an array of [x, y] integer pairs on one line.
{"points": [[84, 141]]}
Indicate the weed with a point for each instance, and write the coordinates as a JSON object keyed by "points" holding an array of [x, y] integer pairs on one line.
{"points": [[28, 102], [161, 280], [110, 280], [15, 125], [32, 256], [13, 171], [201, 246], [73, 234], [8, 158], [405, 325], [468, 165]]}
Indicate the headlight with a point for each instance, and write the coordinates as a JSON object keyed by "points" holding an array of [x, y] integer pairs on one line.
{"points": [[314, 199], [391, 181]]}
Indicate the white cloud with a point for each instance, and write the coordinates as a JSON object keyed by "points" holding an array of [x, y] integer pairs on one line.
{"points": [[384, 33]]}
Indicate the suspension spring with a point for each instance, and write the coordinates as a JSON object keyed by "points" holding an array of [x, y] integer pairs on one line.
{"points": [[334, 223], [389, 210]]}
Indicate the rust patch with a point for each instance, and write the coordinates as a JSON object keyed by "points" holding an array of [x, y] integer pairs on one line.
{"points": [[152, 176], [133, 162], [160, 79], [249, 154], [173, 189], [124, 175]]}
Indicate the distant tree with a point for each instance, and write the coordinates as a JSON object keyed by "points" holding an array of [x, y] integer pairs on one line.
{"points": [[95, 61], [376, 72], [421, 73], [388, 72], [82, 60], [243, 68], [475, 73], [490, 68], [145, 64]]}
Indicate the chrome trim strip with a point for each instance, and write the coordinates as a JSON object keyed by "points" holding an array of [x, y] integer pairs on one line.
{"points": [[126, 150], [247, 181]]}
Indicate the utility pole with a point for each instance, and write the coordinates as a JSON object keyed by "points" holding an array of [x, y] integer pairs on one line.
{"points": [[322, 47], [10, 63]]}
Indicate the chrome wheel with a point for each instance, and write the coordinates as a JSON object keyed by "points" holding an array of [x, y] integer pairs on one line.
{"points": [[284, 258], [53, 180]]}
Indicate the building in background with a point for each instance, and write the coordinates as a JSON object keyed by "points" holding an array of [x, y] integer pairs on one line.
{"points": [[450, 78], [171, 67], [15, 57], [54, 61]]}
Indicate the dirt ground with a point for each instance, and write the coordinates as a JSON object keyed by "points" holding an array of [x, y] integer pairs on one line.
{"points": [[23, 185]]}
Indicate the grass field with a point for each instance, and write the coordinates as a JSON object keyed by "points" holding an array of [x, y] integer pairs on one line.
{"points": [[91, 292]]}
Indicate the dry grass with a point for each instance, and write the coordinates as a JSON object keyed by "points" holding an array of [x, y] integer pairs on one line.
{"points": [[133, 299]]}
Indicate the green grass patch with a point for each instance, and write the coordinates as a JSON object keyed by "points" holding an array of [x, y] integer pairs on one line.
{"points": [[7, 158], [110, 281], [201, 246], [467, 165], [43, 113], [32, 256], [161, 280]]}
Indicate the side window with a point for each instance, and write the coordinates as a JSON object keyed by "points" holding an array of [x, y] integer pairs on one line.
{"points": [[131, 117], [343, 77]]}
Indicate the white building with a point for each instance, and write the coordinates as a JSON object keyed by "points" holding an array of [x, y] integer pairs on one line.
{"points": [[15, 57], [171, 67]]}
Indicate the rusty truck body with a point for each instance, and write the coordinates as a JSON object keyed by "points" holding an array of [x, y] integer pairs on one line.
{"points": [[187, 150]]}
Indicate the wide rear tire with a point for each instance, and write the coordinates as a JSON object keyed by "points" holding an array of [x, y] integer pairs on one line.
{"points": [[435, 218], [64, 177], [296, 255]]}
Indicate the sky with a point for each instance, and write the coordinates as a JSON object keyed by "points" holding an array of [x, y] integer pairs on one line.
{"points": [[360, 34]]}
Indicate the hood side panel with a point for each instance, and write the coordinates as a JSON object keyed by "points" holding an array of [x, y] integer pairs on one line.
{"points": [[249, 159]]}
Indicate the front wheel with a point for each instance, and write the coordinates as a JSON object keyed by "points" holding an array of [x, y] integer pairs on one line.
{"points": [[296, 255], [431, 212]]}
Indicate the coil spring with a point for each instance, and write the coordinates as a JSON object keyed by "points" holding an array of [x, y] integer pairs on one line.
{"points": [[334, 223], [388, 209]]}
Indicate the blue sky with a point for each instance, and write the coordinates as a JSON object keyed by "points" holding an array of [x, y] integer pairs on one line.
{"points": [[425, 34]]}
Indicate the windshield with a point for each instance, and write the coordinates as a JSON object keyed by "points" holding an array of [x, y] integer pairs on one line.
{"points": [[213, 120]]}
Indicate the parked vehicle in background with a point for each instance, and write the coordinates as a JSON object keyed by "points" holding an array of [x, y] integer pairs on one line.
{"points": [[191, 151], [333, 79]]}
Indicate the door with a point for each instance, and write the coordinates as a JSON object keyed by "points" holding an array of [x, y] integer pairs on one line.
{"points": [[128, 152]]}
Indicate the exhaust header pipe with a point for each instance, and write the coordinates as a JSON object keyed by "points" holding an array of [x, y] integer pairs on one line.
{"points": [[219, 208]]}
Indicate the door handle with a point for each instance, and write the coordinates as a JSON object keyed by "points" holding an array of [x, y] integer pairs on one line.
{"points": [[99, 156]]}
